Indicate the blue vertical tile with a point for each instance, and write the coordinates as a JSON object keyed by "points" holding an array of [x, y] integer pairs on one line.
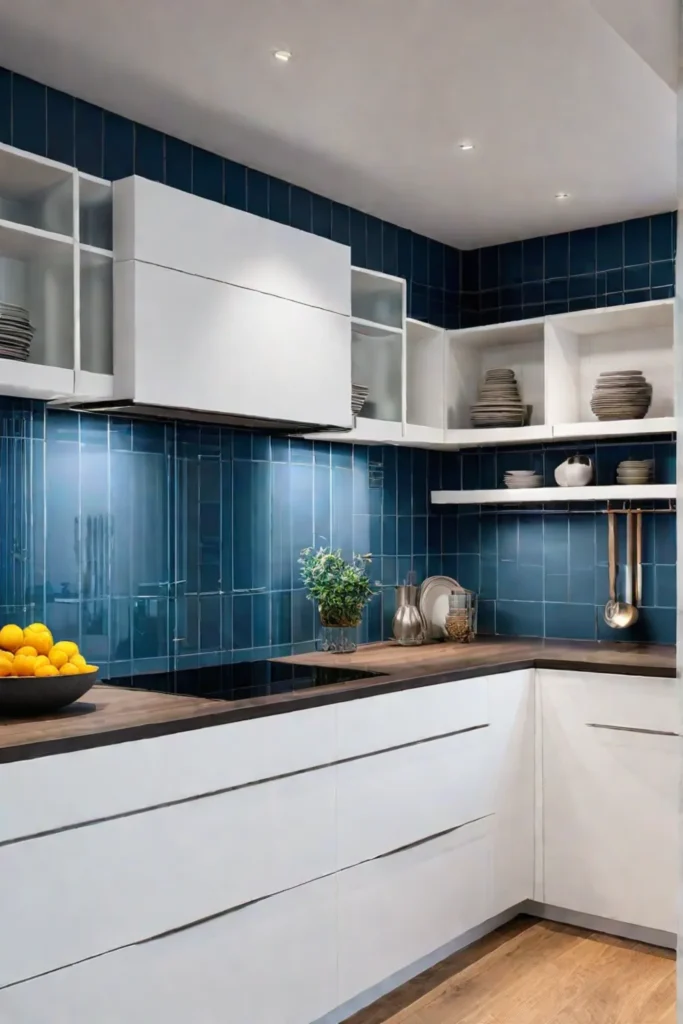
{"points": [[60, 127], [637, 241], [279, 208], [29, 115], [404, 253], [119, 143], [257, 193], [89, 127], [358, 236], [373, 229], [389, 248], [322, 521], [207, 175], [511, 263], [610, 246], [301, 496], [341, 231], [5, 106], [235, 184], [178, 164], [241, 621], [342, 510], [149, 153], [420, 261], [301, 211], [557, 255], [321, 216], [281, 618], [582, 251], [489, 272], [305, 623], [437, 266], [662, 231], [532, 259], [261, 620]]}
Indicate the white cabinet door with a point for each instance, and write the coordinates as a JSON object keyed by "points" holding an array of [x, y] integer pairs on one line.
{"points": [[186, 342], [170, 228], [511, 766], [273, 962], [610, 798], [397, 909], [79, 893], [389, 800]]}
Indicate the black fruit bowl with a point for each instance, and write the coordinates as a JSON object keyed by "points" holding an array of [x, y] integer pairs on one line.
{"points": [[35, 695]]}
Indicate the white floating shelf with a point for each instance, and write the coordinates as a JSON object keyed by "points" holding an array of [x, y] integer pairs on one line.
{"points": [[522, 495], [33, 380], [473, 437], [23, 242], [372, 329], [616, 428]]}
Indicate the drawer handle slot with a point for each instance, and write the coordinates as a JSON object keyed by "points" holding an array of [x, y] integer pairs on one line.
{"points": [[631, 728]]}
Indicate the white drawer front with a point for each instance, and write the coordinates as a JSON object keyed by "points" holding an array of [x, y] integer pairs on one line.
{"points": [[90, 784], [74, 894], [390, 800], [388, 720], [270, 963], [638, 702], [397, 909]]}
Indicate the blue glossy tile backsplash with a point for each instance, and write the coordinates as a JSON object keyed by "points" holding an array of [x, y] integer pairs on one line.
{"points": [[631, 261], [545, 574], [165, 544], [45, 121]]}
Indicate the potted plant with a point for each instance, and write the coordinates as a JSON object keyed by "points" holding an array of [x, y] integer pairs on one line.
{"points": [[342, 590]]}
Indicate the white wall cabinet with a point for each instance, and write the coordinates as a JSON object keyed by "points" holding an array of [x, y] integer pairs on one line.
{"points": [[610, 797], [56, 261]]}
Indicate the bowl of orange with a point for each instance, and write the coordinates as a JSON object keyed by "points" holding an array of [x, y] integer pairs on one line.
{"points": [[38, 675]]}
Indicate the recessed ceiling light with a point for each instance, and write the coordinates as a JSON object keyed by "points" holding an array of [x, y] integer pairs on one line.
{"points": [[562, 195], [282, 55], [465, 145]]}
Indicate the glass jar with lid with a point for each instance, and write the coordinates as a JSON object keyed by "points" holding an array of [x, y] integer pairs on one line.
{"points": [[461, 621]]}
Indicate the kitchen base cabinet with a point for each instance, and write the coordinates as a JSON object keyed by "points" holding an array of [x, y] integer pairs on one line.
{"points": [[397, 909], [274, 962], [610, 797]]}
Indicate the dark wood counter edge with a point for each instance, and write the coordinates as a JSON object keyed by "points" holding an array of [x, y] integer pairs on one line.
{"points": [[261, 707]]}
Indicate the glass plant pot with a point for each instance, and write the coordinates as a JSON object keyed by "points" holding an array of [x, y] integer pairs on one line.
{"points": [[338, 639]]}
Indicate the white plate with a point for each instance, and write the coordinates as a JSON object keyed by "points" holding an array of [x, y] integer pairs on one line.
{"points": [[434, 594]]}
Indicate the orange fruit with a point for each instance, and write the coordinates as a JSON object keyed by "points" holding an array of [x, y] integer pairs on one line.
{"points": [[68, 646], [47, 670], [78, 660], [58, 657], [5, 668], [11, 637], [89, 668], [31, 651], [24, 665], [6, 656], [40, 638], [41, 660], [69, 670]]}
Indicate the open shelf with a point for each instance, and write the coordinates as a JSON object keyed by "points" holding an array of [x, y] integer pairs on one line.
{"points": [[377, 298], [23, 242], [36, 192], [518, 346], [95, 212], [377, 362], [31, 380], [523, 495]]}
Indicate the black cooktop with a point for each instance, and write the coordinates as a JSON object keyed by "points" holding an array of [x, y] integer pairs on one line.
{"points": [[244, 680]]}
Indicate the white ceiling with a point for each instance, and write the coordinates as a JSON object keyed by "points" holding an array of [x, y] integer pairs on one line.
{"points": [[558, 95]]}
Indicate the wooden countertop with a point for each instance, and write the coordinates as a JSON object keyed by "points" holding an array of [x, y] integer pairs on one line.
{"points": [[113, 714]]}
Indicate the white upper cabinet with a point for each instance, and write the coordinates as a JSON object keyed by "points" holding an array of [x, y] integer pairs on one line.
{"points": [[162, 225], [221, 313]]}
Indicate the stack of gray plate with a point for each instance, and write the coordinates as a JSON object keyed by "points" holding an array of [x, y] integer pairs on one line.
{"points": [[522, 478], [635, 471], [500, 404], [16, 332], [359, 394], [621, 395]]}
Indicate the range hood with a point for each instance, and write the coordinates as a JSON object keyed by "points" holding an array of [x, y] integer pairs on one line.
{"points": [[224, 317], [135, 410]]}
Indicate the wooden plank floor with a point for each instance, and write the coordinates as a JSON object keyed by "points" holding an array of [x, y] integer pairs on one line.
{"points": [[538, 972]]}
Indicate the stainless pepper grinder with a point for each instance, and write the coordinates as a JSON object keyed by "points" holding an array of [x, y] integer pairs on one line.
{"points": [[407, 625]]}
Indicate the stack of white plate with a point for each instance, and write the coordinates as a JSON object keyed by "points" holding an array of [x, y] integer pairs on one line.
{"points": [[634, 471], [522, 478], [359, 394], [621, 395], [16, 332], [500, 403]]}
